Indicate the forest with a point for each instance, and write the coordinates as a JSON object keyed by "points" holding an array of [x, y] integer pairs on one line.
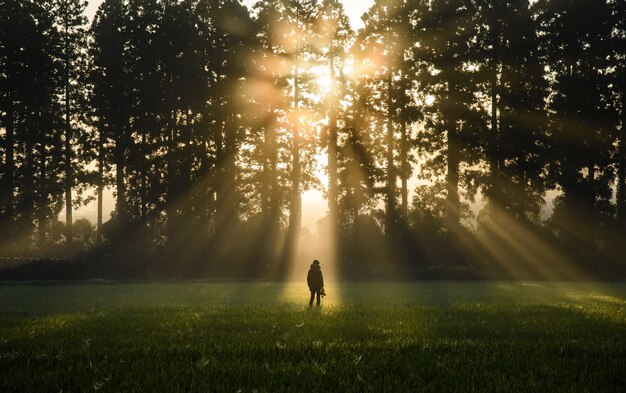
{"points": [[450, 138]]}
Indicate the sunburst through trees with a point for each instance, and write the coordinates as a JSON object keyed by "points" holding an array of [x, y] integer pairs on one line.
{"points": [[456, 138]]}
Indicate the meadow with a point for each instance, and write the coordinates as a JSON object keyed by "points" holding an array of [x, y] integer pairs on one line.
{"points": [[262, 337]]}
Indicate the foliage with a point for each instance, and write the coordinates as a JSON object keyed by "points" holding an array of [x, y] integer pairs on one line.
{"points": [[467, 133]]}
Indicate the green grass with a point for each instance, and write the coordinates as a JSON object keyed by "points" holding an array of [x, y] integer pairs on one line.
{"points": [[261, 337]]}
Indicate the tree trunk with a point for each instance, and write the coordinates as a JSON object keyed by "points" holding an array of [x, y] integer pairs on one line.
{"points": [[275, 191], [591, 186], [206, 194], [229, 197], [295, 215], [120, 187], [332, 149], [43, 196], [186, 163], [7, 191], [68, 165], [144, 175], [494, 148], [171, 198], [453, 202], [220, 172], [100, 186], [270, 190], [27, 204], [391, 170], [266, 185], [295, 208], [493, 140], [621, 169], [269, 199], [404, 169]]}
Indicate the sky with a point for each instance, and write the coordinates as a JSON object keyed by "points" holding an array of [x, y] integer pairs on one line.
{"points": [[354, 9], [314, 206]]}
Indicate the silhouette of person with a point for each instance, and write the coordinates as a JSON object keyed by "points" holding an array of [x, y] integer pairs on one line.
{"points": [[315, 281]]}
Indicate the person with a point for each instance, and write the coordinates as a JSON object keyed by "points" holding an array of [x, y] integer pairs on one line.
{"points": [[315, 281]]}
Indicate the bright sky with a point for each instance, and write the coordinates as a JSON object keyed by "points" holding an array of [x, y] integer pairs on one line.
{"points": [[314, 206], [354, 9]]}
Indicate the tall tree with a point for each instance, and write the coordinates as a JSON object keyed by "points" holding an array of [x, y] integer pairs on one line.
{"points": [[448, 80], [41, 137], [300, 14], [70, 21], [30, 176], [390, 52], [228, 57], [146, 115], [508, 48], [269, 97], [358, 151], [582, 137], [333, 29], [286, 31], [111, 98], [13, 23], [384, 44]]}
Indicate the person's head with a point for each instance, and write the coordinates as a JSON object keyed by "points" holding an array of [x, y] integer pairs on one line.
{"points": [[316, 262]]}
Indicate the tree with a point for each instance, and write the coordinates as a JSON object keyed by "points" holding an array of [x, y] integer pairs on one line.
{"points": [[618, 60], [111, 97], [29, 107], [581, 135], [285, 27], [14, 21], [448, 79], [299, 14], [514, 82], [228, 59], [333, 30], [71, 24], [384, 43]]}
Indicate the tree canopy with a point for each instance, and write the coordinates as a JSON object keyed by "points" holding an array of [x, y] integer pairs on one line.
{"points": [[476, 135]]}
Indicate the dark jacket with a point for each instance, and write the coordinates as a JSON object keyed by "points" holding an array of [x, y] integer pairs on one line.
{"points": [[315, 279]]}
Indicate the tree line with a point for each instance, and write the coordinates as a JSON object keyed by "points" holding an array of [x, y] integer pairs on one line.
{"points": [[485, 134]]}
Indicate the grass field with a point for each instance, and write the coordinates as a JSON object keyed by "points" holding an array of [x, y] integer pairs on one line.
{"points": [[249, 337]]}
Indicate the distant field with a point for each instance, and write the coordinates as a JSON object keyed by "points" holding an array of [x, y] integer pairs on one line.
{"points": [[261, 337]]}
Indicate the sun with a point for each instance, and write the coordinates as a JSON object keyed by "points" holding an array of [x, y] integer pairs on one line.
{"points": [[324, 82]]}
